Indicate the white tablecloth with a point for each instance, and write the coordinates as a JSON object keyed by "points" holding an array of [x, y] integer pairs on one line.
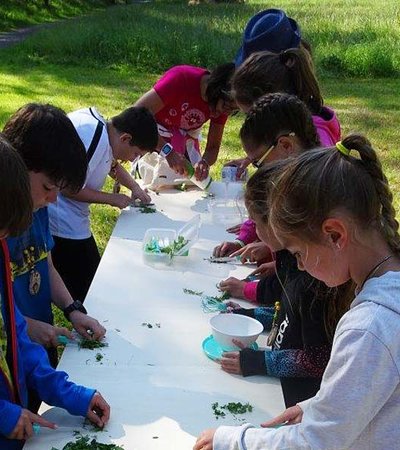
{"points": [[159, 383]]}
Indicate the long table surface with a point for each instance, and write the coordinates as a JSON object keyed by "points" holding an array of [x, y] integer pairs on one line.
{"points": [[159, 383]]}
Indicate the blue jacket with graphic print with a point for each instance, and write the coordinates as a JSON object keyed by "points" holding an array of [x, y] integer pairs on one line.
{"points": [[30, 368]]}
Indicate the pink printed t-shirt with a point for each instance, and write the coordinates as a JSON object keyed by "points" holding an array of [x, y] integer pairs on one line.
{"points": [[179, 90]]}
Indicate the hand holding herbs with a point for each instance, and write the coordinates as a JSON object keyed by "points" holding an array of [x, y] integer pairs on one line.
{"points": [[98, 411]]}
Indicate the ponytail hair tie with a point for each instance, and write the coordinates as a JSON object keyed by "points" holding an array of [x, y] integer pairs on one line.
{"points": [[283, 57], [342, 149], [286, 59], [346, 151]]}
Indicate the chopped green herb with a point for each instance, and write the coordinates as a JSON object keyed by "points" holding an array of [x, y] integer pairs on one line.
{"points": [[91, 427], [216, 298], [220, 298], [99, 357], [181, 187], [149, 325], [146, 209], [86, 443], [190, 292], [91, 344], [217, 411], [233, 407]]}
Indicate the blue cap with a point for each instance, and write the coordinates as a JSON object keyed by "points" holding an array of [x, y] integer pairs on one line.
{"points": [[270, 30]]}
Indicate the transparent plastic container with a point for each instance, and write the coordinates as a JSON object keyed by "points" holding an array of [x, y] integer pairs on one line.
{"points": [[228, 211], [158, 243]]}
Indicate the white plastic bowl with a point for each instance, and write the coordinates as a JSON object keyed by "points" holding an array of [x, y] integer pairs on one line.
{"points": [[226, 327]]}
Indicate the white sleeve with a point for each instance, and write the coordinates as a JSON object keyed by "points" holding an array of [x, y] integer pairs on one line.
{"points": [[343, 407]]}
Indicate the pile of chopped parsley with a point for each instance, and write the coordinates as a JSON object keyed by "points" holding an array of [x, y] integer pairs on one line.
{"points": [[91, 344], [234, 408], [87, 443]]}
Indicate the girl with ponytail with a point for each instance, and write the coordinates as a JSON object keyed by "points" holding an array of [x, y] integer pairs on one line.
{"points": [[332, 209], [289, 71]]}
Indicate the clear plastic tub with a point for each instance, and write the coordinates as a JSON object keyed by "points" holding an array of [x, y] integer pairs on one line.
{"points": [[161, 245], [158, 238], [227, 212]]}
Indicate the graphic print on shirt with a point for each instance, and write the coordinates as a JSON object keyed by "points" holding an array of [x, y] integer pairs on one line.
{"points": [[281, 332], [3, 348], [27, 255], [192, 118]]}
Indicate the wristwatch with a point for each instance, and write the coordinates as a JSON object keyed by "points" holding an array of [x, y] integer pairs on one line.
{"points": [[166, 150], [75, 306]]}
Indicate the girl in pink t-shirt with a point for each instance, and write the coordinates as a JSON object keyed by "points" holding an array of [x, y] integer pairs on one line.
{"points": [[182, 101]]}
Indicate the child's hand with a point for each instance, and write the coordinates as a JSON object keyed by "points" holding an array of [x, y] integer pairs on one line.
{"points": [[142, 195], [233, 286], [24, 429], [254, 252], [205, 440], [45, 334], [234, 229], [120, 201], [98, 411], [290, 416], [231, 306], [226, 249], [265, 269], [230, 363]]}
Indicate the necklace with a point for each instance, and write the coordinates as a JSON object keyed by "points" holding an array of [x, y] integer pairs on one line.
{"points": [[274, 328], [373, 271], [34, 275]]}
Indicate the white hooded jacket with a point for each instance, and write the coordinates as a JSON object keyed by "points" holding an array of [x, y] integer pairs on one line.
{"points": [[358, 405]]}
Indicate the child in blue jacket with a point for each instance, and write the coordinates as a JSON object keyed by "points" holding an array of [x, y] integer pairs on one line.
{"points": [[24, 364]]}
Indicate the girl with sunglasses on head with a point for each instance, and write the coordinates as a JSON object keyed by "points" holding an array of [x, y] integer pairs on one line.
{"points": [[333, 210], [276, 127], [289, 71]]}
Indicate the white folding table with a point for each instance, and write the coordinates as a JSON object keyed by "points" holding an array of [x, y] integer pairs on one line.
{"points": [[159, 383]]}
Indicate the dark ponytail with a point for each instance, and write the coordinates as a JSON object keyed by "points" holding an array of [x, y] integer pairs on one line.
{"points": [[290, 71]]}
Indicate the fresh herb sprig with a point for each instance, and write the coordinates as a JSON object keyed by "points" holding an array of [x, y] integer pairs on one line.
{"points": [[191, 292], [217, 298]]}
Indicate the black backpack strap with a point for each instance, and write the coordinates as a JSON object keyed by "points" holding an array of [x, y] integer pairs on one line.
{"points": [[96, 137]]}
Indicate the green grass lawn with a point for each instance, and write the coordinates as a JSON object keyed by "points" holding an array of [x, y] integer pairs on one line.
{"points": [[22, 13], [110, 58]]}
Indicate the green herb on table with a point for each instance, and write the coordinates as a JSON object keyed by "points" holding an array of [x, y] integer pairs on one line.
{"points": [[99, 357], [181, 187], [86, 443], [220, 298], [190, 292], [234, 408], [217, 411], [91, 427], [146, 209], [149, 325], [213, 298], [91, 344]]}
